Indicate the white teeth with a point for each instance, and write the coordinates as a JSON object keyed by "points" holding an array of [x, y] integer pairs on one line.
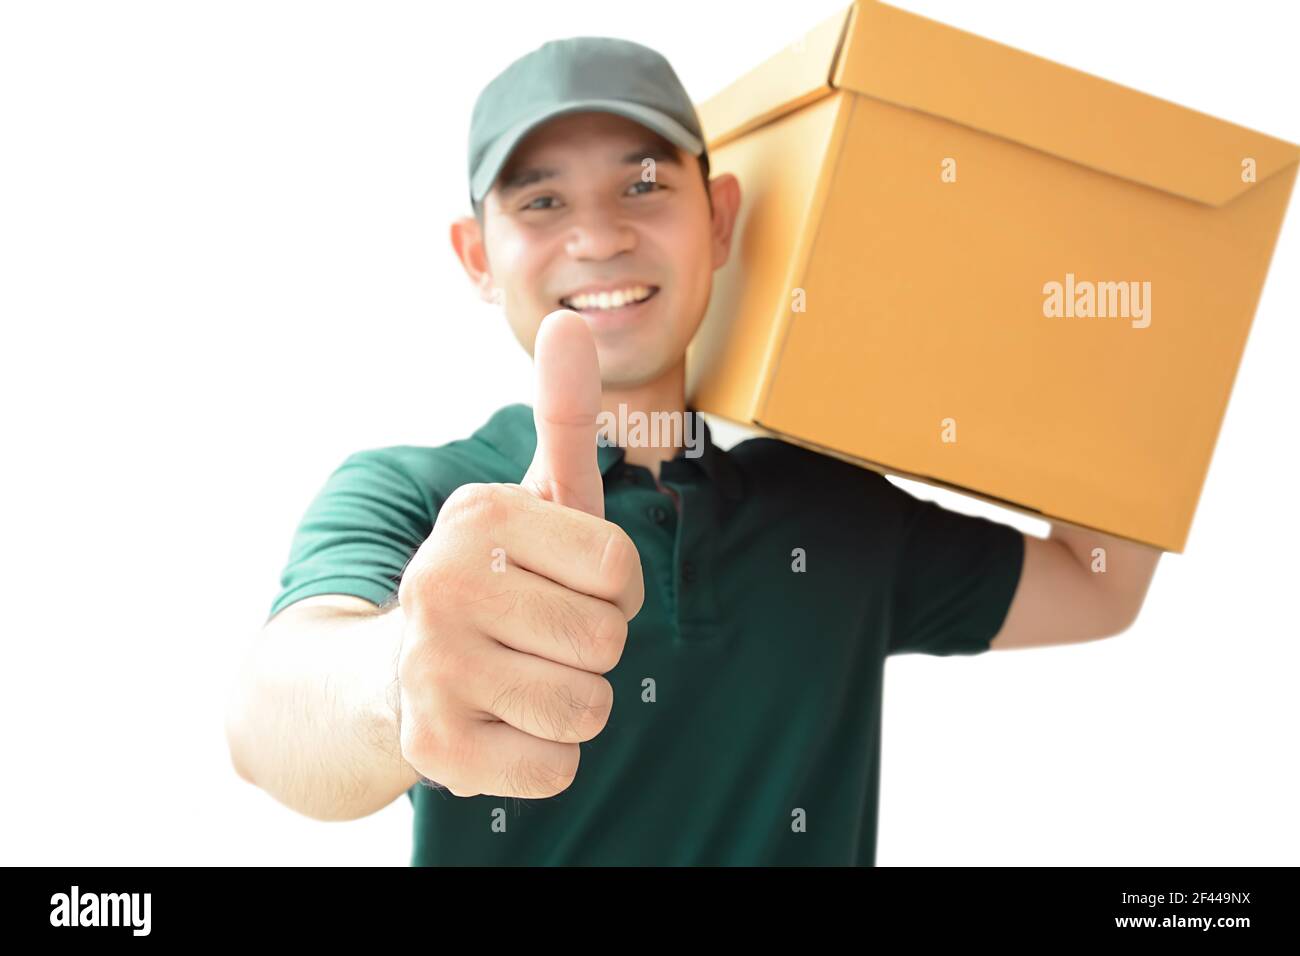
{"points": [[609, 300]]}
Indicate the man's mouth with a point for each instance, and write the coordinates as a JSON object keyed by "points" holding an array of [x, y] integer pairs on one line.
{"points": [[610, 301]]}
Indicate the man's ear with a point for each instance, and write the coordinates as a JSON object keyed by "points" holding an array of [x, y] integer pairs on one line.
{"points": [[725, 190], [467, 240]]}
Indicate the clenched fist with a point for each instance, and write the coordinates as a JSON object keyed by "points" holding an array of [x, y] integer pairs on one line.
{"points": [[518, 602]]}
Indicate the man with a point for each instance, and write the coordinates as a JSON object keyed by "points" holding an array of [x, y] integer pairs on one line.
{"points": [[673, 654]]}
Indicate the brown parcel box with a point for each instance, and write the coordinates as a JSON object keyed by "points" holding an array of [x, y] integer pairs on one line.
{"points": [[908, 193]]}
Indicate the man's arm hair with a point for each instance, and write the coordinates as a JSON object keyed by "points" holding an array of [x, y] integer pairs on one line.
{"points": [[314, 717]]}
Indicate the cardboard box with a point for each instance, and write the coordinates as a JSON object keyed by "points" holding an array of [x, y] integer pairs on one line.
{"points": [[925, 215]]}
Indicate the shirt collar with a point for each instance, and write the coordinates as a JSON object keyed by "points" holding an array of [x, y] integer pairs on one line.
{"points": [[511, 431]]}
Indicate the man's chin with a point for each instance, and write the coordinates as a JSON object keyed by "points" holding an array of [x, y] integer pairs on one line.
{"points": [[618, 375]]}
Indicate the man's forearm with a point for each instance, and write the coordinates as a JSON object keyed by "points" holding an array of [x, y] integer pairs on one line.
{"points": [[314, 718]]}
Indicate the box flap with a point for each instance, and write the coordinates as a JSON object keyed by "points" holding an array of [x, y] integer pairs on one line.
{"points": [[796, 76], [914, 62]]}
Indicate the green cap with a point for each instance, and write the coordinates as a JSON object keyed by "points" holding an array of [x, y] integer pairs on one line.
{"points": [[573, 75]]}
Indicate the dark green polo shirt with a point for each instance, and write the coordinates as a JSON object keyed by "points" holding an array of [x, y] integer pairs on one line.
{"points": [[747, 702]]}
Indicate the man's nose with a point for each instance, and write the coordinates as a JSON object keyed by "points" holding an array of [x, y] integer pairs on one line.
{"points": [[599, 231]]}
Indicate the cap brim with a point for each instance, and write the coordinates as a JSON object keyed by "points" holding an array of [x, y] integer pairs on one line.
{"points": [[505, 144]]}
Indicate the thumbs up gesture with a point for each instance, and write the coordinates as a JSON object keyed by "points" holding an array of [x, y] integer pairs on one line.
{"points": [[518, 602], [565, 412]]}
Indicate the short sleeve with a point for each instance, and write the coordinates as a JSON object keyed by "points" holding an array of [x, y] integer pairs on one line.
{"points": [[357, 534], [955, 577]]}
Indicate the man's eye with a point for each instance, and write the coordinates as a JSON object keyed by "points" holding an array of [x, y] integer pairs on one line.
{"points": [[531, 206], [646, 183]]}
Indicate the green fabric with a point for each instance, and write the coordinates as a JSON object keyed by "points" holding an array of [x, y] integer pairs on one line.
{"points": [[767, 681]]}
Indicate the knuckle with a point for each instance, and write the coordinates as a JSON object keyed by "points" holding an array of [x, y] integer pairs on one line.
{"points": [[529, 778], [415, 582], [414, 740], [599, 705], [476, 504], [446, 586], [620, 561], [433, 576], [609, 637], [409, 583], [638, 597], [421, 657], [423, 744], [568, 769], [418, 667], [462, 497]]}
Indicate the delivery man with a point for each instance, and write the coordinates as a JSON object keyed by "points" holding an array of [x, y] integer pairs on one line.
{"points": [[570, 649]]}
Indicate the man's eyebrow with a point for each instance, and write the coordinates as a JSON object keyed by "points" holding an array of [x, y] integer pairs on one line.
{"points": [[525, 177], [656, 151], [517, 179]]}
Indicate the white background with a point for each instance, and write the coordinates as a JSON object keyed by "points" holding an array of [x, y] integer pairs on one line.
{"points": [[224, 265]]}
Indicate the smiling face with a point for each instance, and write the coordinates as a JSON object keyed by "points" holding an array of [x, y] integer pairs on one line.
{"points": [[593, 212]]}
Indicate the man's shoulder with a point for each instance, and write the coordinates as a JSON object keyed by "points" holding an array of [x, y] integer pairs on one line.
{"points": [[777, 462], [489, 453]]}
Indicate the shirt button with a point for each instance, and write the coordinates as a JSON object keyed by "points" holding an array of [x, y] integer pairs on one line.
{"points": [[660, 515], [688, 572]]}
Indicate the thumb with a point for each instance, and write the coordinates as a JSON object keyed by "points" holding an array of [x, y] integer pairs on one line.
{"points": [[565, 412]]}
